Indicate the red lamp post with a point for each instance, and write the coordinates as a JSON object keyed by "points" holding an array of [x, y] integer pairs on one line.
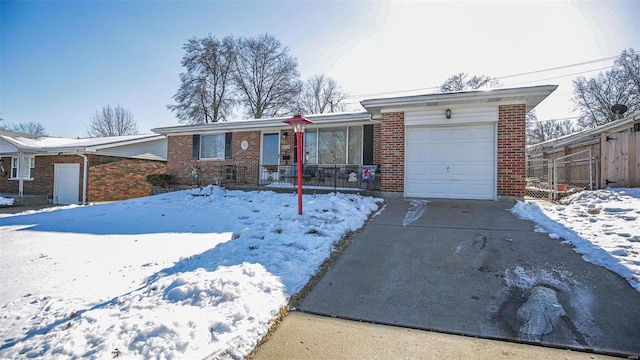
{"points": [[298, 123]]}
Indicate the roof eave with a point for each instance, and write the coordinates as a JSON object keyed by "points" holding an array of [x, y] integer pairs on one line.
{"points": [[532, 96], [255, 124]]}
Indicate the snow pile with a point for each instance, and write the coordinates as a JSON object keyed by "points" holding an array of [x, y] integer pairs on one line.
{"points": [[175, 276], [602, 225], [6, 201]]}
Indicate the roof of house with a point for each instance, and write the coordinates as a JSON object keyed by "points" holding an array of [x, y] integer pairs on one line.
{"points": [[35, 144], [531, 96], [586, 134], [264, 123]]}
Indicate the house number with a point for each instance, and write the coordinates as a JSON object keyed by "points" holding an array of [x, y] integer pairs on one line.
{"points": [[244, 145]]}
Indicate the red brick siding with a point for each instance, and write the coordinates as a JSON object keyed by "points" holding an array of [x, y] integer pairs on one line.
{"points": [[180, 163], [376, 144], [42, 183], [391, 135], [112, 178], [511, 145]]}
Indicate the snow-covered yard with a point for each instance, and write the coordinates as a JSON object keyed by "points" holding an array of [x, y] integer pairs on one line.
{"points": [[602, 225], [171, 276], [179, 276]]}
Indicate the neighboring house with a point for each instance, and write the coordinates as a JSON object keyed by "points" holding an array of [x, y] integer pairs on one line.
{"points": [[612, 151], [72, 171], [466, 145]]}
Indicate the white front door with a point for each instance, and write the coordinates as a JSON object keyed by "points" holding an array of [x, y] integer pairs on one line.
{"points": [[66, 183], [453, 162]]}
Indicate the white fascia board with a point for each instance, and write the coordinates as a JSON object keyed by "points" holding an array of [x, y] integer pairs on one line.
{"points": [[150, 137], [532, 96], [262, 124]]}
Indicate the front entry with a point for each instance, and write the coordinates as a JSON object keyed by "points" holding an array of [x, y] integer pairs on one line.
{"points": [[66, 183]]}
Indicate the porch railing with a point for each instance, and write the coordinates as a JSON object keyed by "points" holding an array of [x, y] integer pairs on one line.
{"points": [[323, 176]]}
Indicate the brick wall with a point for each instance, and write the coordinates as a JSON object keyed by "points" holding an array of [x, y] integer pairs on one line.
{"points": [[42, 183], [112, 178], [180, 164], [391, 139], [511, 150]]}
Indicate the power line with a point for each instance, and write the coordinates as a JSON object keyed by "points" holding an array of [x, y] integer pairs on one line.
{"points": [[355, 97]]}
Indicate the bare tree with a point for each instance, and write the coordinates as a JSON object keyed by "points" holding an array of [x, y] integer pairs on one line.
{"points": [[539, 131], [320, 94], [462, 82], [266, 76], [204, 95], [112, 121], [629, 61], [594, 97], [32, 128]]}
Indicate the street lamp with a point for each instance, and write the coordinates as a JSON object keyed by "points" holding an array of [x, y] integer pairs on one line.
{"points": [[298, 123]]}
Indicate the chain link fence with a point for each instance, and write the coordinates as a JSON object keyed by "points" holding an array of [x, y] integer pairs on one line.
{"points": [[555, 178]]}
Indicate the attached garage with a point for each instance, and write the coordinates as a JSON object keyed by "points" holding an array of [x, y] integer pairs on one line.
{"points": [[456, 162], [451, 158], [464, 145]]}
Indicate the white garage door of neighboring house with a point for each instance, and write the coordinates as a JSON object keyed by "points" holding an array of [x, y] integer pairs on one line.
{"points": [[453, 162], [66, 183]]}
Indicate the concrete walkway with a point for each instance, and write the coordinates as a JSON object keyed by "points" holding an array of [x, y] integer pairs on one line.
{"points": [[306, 336], [461, 267]]}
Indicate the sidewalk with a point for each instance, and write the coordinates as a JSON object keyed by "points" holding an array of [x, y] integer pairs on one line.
{"points": [[305, 336]]}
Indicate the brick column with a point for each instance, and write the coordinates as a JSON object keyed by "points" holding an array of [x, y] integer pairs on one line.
{"points": [[392, 152], [511, 154]]}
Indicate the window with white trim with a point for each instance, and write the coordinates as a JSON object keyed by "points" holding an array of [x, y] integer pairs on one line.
{"points": [[28, 171], [339, 145]]}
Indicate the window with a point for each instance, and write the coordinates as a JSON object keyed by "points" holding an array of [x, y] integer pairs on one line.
{"points": [[214, 146], [341, 145], [29, 169]]}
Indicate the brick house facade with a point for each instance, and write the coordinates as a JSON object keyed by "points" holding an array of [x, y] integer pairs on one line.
{"points": [[116, 166], [500, 113]]}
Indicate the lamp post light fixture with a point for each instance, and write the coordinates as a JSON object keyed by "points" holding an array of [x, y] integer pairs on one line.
{"points": [[298, 123]]}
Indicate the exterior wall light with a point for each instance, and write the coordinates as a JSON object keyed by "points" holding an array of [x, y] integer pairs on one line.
{"points": [[447, 113], [285, 135]]}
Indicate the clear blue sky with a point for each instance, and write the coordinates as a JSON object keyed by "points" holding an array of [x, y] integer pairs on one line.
{"points": [[60, 61]]}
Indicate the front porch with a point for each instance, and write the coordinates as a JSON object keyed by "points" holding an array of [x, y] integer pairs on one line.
{"points": [[332, 176]]}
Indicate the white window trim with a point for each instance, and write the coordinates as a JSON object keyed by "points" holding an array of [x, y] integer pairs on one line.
{"points": [[27, 160], [360, 161]]}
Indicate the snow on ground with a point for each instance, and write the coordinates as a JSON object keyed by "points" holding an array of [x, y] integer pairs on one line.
{"points": [[602, 225], [171, 276], [6, 201]]}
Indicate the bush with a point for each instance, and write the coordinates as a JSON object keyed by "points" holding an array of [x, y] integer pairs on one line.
{"points": [[163, 180]]}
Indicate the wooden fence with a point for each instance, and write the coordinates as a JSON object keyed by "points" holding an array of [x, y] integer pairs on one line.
{"points": [[620, 160]]}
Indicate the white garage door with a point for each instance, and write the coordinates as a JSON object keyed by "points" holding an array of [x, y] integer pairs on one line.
{"points": [[451, 162], [66, 183]]}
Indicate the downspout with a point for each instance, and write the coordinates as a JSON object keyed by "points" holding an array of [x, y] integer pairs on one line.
{"points": [[20, 174], [85, 174]]}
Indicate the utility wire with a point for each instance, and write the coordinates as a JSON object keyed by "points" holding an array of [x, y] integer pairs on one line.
{"points": [[355, 97]]}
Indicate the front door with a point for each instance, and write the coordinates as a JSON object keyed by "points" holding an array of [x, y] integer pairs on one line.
{"points": [[270, 157]]}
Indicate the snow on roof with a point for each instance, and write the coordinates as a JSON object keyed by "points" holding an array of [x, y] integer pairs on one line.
{"points": [[45, 143]]}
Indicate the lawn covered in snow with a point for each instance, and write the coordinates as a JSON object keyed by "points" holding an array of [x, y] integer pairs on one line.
{"points": [[171, 276], [603, 226]]}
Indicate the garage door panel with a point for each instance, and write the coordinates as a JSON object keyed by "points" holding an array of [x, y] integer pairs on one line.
{"points": [[451, 162]]}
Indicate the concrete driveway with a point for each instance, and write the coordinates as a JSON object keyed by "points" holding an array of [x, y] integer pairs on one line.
{"points": [[473, 268]]}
